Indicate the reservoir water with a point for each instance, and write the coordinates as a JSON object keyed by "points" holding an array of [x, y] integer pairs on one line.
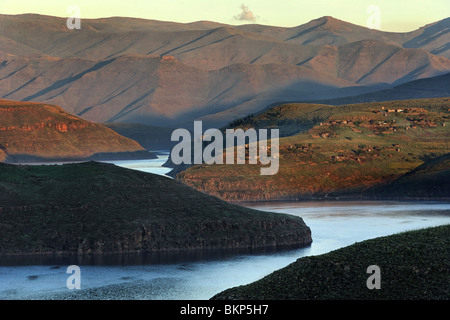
{"points": [[150, 166], [334, 224]]}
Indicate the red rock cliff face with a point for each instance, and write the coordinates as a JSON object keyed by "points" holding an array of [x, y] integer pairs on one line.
{"points": [[3, 155], [41, 126], [30, 129]]}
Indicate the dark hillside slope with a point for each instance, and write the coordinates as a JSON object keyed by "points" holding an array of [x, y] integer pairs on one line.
{"points": [[97, 208], [414, 265], [429, 180]]}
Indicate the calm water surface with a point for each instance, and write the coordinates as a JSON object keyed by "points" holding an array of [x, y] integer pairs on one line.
{"points": [[150, 166], [333, 224]]}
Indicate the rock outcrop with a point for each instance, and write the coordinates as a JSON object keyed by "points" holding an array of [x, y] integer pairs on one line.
{"points": [[40, 132]]}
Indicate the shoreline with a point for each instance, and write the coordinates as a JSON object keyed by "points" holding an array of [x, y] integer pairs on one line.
{"points": [[154, 155], [338, 199], [125, 156]]}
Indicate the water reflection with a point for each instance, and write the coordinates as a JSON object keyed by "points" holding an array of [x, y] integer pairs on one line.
{"points": [[151, 258]]}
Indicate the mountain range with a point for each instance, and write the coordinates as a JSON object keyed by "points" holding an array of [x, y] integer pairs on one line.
{"points": [[168, 74], [434, 87]]}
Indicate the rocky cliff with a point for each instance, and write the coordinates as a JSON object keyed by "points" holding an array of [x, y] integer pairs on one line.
{"points": [[41, 132]]}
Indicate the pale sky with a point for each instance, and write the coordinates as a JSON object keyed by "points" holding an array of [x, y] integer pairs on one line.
{"points": [[394, 15]]}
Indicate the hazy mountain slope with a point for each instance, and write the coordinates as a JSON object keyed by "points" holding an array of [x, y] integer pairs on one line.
{"points": [[105, 38], [235, 46], [145, 88], [43, 132], [150, 137], [126, 70], [433, 87], [434, 38], [332, 31], [427, 180], [369, 62], [11, 49], [140, 88]]}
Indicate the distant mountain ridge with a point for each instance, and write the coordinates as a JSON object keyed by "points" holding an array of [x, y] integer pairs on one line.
{"points": [[433, 87], [322, 31], [165, 73]]}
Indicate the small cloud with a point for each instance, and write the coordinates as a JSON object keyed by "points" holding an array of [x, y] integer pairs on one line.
{"points": [[245, 15]]}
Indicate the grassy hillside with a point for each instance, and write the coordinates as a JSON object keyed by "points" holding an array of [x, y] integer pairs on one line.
{"points": [[40, 132], [97, 208], [327, 150], [413, 265]]}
